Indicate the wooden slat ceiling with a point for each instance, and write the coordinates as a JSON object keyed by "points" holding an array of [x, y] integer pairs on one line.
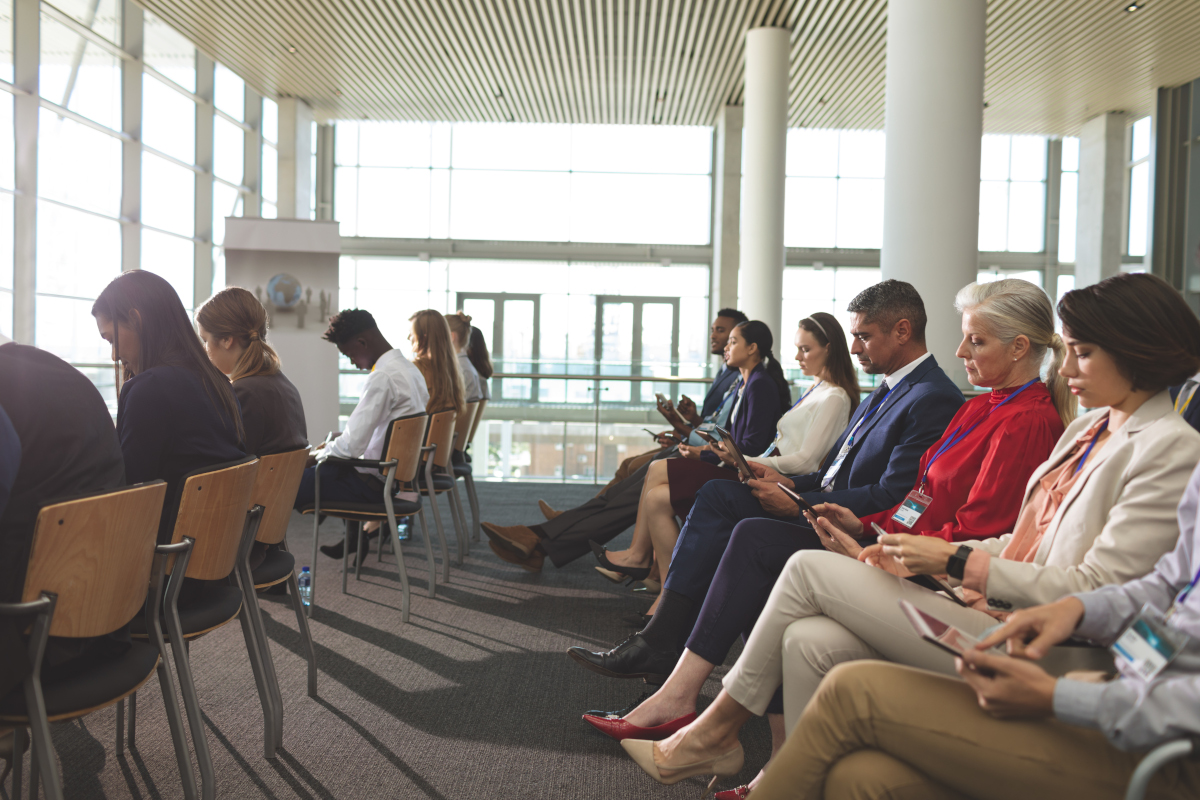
{"points": [[1051, 64]]}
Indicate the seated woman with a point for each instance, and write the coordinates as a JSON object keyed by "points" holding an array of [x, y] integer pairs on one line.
{"points": [[460, 339], [477, 354], [233, 326], [1099, 511], [434, 355], [176, 411], [804, 435]]}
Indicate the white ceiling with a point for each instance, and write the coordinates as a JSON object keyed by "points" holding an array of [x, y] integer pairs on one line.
{"points": [[1051, 64]]}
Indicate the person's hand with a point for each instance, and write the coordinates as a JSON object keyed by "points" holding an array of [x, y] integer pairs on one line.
{"points": [[720, 452], [767, 475], [833, 537], [687, 409], [873, 554], [1041, 626], [667, 439], [1007, 687], [773, 499], [687, 451], [842, 517], [921, 555]]}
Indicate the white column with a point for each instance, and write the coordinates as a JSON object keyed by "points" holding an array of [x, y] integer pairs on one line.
{"points": [[726, 209], [131, 148], [27, 38], [934, 126], [1102, 158], [203, 276], [764, 141], [295, 158]]}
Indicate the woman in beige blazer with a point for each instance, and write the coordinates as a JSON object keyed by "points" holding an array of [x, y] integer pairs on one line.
{"points": [[1100, 510]]}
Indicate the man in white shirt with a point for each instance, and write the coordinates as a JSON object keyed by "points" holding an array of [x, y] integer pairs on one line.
{"points": [[395, 388]]}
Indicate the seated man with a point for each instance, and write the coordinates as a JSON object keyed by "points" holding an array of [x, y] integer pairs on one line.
{"points": [[65, 445], [394, 389], [565, 535], [1012, 729], [871, 467]]}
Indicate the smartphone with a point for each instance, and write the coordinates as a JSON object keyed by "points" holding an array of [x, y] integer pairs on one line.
{"points": [[928, 581], [706, 436], [653, 435], [800, 501], [662, 398], [938, 633]]}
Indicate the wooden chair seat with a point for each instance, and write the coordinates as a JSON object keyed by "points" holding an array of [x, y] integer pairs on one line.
{"points": [[213, 606], [276, 567], [104, 683]]}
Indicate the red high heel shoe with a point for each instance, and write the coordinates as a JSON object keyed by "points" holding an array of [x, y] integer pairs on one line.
{"points": [[740, 793], [619, 729]]}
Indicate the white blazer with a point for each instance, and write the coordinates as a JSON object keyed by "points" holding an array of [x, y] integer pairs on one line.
{"points": [[808, 431], [1119, 517]]}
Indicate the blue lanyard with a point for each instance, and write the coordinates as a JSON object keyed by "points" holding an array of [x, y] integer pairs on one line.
{"points": [[869, 414], [1091, 444], [729, 396], [1183, 594], [806, 394], [957, 437]]}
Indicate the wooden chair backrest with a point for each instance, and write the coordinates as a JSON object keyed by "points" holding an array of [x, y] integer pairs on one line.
{"points": [[441, 433], [475, 422], [95, 552], [275, 490], [212, 510], [404, 445], [463, 425]]}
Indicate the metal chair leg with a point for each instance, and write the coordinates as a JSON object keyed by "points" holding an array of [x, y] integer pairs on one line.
{"points": [[261, 678], [350, 526], [35, 768], [120, 726], [18, 769], [362, 551], [302, 624], [473, 499], [42, 762], [441, 532], [460, 523], [133, 712], [312, 572], [428, 550], [191, 704]]}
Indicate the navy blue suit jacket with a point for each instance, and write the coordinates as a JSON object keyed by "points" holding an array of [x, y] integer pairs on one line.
{"points": [[754, 428], [881, 468], [720, 386], [1192, 415]]}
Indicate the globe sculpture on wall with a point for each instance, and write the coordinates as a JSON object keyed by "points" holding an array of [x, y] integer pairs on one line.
{"points": [[284, 291]]}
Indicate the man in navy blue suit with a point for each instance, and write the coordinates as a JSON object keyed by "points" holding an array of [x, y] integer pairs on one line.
{"points": [[1186, 402], [870, 468]]}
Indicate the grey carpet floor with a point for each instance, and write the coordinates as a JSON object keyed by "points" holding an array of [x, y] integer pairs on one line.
{"points": [[473, 698]]}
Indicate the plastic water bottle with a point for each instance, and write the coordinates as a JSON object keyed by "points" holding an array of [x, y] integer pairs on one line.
{"points": [[305, 582]]}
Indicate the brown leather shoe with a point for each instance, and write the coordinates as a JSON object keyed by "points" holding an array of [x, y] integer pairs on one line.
{"points": [[531, 563], [515, 538], [547, 511]]}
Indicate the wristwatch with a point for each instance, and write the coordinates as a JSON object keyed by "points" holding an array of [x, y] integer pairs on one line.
{"points": [[958, 562]]}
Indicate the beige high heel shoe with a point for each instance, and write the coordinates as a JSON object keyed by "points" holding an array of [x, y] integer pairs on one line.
{"points": [[723, 766]]}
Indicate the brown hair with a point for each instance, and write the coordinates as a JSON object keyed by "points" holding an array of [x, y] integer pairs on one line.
{"points": [[477, 353], [235, 313], [434, 355], [460, 326], [829, 334], [1142, 322]]}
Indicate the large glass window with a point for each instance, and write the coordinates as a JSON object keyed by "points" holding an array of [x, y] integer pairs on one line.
{"points": [[1139, 187], [7, 179], [6, 42], [168, 119], [524, 182], [834, 190], [79, 75], [102, 16], [168, 53], [1068, 205], [270, 159], [1012, 194]]}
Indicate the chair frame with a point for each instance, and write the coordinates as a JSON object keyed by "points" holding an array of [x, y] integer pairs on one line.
{"points": [[1155, 760], [469, 478], [437, 456], [467, 424]]}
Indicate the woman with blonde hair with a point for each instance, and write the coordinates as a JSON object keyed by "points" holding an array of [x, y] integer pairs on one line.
{"points": [[434, 354], [460, 337], [233, 326]]}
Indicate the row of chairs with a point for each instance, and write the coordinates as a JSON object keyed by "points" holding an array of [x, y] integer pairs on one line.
{"points": [[416, 458], [91, 561]]}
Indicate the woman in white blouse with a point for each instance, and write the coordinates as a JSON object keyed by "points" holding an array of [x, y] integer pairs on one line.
{"points": [[805, 433]]}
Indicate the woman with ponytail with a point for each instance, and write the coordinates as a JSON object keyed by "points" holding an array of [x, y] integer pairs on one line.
{"points": [[233, 327]]}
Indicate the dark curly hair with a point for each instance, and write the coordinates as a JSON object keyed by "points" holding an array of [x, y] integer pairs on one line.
{"points": [[347, 324]]}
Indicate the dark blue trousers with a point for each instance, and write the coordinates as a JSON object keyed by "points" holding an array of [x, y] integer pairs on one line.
{"points": [[339, 482]]}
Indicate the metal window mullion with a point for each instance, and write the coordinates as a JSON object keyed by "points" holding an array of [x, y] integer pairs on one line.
{"points": [[202, 280], [1053, 203], [131, 147], [326, 143], [252, 170], [26, 47]]}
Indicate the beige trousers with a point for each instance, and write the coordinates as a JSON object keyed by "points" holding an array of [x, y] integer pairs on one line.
{"points": [[880, 731], [827, 609]]}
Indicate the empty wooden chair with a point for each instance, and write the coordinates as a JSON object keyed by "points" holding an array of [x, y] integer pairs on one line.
{"points": [[437, 479], [399, 465], [91, 560], [468, 474], [461, 468]]}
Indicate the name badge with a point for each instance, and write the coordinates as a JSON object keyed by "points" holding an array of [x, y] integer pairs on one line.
{"points": [[912, 508], [1148, 645], [831, 473]]}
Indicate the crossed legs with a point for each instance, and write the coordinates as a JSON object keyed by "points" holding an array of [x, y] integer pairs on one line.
{"points": [[655, 532]]}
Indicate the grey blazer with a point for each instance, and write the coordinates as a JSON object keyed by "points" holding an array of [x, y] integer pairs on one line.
{"points": [[1117, 520]]}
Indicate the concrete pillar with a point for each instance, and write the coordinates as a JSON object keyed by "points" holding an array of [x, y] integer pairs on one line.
{"points": [[1102, 159], [726, 209], [765, 145], [131, 148], [27, 39], [934, 125], [295, 158], [202, 280]]}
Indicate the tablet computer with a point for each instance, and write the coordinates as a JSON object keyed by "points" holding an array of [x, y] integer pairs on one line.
{"points": [[727, 441], [938, 633], [928, 581]]}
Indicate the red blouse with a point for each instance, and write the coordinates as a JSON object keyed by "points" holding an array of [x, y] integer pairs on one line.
{"points": [[977, 486]]}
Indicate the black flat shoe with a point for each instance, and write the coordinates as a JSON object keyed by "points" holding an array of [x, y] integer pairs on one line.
{"points": [[633, 573], [632, 658], [619, 714], [335, 551]]}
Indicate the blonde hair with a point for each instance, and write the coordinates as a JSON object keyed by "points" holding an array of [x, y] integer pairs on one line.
{"points": [[235, 313], [1012, 307], [433, 354], [460, 326]]}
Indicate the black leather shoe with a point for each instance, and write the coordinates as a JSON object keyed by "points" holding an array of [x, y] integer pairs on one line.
{"points": [[621, 713], [632, 658], [334, 551]]}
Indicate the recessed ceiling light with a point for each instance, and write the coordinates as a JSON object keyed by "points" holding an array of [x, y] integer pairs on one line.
{"points": [[292, 50], [1132, 7]]}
